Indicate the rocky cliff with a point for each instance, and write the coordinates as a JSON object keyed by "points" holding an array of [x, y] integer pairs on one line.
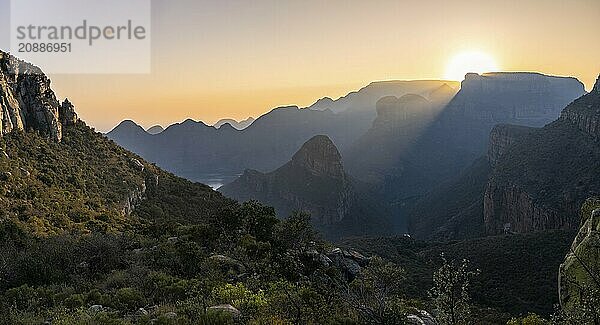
{"points": [[580, 267], [28, 103], [542, 176], [533, 179], [399, 123], [585, 112], [456, 135], [314, 181]]}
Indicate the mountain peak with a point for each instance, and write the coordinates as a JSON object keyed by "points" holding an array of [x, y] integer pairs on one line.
{"points": [[597, 85], [320, 156]]}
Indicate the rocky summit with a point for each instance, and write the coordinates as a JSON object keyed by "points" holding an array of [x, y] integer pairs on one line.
{"points": [[314, 181], [28, 103], [320, 156]]}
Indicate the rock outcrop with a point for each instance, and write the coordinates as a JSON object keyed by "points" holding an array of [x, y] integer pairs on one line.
{"points": [[579, 270], [28, 103], [320, 157], [585, 112], [313, 181]]}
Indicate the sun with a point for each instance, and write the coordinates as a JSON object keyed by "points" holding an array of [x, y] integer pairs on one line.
{"points": [[472, 61]]}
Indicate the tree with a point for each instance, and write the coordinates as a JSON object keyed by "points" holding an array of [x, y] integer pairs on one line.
{"points": [[450, 292], [376, 293]]}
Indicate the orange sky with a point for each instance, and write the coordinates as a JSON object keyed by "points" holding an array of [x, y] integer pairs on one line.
{"points": [[217, 59]]}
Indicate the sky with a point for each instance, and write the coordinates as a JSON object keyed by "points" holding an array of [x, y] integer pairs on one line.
{"points": [[235, 59]]}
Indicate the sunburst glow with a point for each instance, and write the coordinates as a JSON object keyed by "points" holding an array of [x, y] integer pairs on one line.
{"points": [[472, 61]]}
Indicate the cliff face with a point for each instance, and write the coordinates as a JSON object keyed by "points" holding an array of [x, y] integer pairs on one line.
{"points": [[535, 179], [314, 181], [28, 103], [585, 112], [510, 209], [542, 176]]}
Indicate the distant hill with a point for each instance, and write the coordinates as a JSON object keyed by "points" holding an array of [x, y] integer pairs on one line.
{"points": [[235, 124], [315, 181], [155, 129], [190, 148]]}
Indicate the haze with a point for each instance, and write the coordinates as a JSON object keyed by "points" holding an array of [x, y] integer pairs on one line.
{"points": [[217, 59]]}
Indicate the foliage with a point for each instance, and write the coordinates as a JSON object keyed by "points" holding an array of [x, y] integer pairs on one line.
{"points": [[530, 319], [450, 292], [376, 294]]}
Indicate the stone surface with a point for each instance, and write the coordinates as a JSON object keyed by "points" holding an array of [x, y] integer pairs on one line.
{"points": [[584, 256], [421, 317], [585, 112], [226, 308], [28, 103]]}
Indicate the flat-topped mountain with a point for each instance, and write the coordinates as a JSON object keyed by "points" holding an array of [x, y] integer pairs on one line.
{"points": [[532, 179], [314, 181], [456, 134]]}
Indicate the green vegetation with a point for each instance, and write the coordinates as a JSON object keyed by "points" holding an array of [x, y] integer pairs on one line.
{"points": [[72, 254], [518, 274], [450, 293]]}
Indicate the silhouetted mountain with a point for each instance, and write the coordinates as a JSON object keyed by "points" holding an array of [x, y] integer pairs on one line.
{"points": [[155, 130], [408, 158], [314, 181], [532, 179], [365, 99], [192, 149], [235, 124]]}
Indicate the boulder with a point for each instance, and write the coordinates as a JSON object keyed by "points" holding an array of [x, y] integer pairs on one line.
{"points": [[96, 308], [227, 308], [345, 263], [228, 263], [137, 164], [421, 317], [170, 315]]}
